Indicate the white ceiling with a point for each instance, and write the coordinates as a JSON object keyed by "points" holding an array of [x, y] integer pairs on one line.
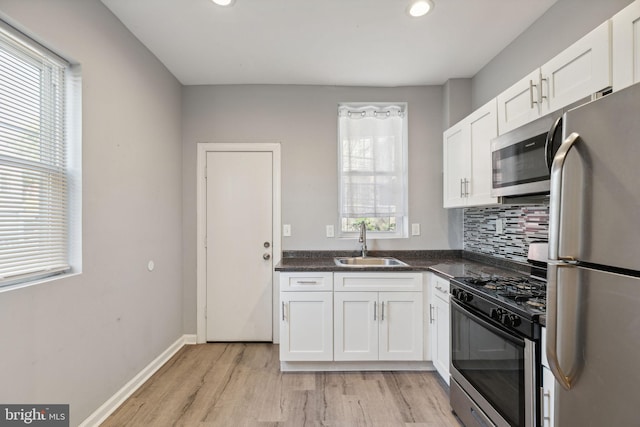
{"points": [[325, 42]]}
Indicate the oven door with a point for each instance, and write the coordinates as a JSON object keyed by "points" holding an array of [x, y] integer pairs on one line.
{"points": [[494, 367]]}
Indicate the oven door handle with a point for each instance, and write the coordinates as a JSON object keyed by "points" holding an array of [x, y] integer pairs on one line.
{"points": [[493, 327]]}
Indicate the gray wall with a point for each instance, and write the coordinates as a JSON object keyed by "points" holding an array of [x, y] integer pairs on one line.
{"points": [[456, 101], [563, 24], [79, 340], [304, 120]]}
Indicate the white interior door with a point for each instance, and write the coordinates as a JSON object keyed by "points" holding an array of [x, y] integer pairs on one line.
{"points": [[239, 246]]}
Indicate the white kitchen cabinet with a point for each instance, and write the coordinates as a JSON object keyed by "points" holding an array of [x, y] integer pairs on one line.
{"points": [[306, 317], [439, 329], [519, 104], [378, 317], [626, 46], [548, 394], [467, 159], [582, 69], [548, 387]]}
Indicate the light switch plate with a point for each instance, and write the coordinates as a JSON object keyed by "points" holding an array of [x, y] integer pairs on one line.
{"points": [[286, 230], [415, 229], [330, 232]]}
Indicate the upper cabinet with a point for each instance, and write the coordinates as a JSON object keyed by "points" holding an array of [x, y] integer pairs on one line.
{"points": [[579, 71], [467, 159], [626, 46]]}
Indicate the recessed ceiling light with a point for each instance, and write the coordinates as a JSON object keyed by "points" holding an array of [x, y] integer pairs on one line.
{"points": [[418, 8], [223, 2]]}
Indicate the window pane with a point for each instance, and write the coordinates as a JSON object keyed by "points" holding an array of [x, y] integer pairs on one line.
{"points": [[33, 176]]}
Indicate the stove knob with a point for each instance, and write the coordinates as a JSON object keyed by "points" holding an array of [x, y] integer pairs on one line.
{"points": [[496, 314], [466, 297], [456, 293], [511, 320]]}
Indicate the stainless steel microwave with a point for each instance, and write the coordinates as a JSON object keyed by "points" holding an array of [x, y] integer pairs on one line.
{"points": [[521, 159]]}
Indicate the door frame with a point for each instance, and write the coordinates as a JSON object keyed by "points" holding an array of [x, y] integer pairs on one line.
{"points": [[201, 226]]}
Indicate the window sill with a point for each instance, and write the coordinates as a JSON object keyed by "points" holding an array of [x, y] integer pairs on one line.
{"points": [[42, 281]]}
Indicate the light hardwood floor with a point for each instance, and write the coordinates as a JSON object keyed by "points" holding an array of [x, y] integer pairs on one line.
{"points": [[241, 385]]}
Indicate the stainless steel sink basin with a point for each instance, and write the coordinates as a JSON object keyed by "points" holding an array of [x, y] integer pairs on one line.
{"points": [[368, 262]]}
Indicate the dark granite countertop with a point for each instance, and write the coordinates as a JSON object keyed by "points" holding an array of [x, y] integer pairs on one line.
{"points": [[448, 263]]}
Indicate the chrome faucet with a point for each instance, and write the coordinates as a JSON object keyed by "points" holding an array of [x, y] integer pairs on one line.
{"points": [[363, 238]]}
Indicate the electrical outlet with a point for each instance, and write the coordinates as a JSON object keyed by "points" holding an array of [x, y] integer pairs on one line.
{"points": [[330, 232], [499, 226], [286, 230], [415, 229]]}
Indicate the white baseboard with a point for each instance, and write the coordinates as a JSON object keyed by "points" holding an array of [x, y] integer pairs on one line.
{"points": [[356, 366], [108, 407]]}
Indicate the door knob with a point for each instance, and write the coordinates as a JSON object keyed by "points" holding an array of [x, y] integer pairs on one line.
{"points": [[266, 257]]}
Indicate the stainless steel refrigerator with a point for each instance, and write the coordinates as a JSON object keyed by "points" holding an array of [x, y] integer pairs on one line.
{"points": [[593, 291]]}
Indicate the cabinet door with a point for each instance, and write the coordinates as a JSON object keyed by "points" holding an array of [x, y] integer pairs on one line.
{"points": [[483, 127], [548, 396], [579, 71], [626, 46], [440, 332], [306, 332], [400, 323], [456, 165], [519, 104], [356, 325]]}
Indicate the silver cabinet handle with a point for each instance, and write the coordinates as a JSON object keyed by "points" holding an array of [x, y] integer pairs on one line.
{"points": [[555, 262], [461, 187], [443, 290], [542, 96], [531, 86], [466, 187], [430, 314], [307, 282], [382, 313], [375, 311], [266, 257], [283, 311]]}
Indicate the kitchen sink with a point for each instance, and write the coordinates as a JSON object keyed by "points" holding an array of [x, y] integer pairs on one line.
{"points": [[368, 262]]}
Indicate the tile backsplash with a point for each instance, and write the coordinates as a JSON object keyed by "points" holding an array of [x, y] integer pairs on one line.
{"points": [[521, 225]]}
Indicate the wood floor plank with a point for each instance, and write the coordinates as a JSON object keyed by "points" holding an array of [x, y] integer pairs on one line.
{"points": [[222, 384]]}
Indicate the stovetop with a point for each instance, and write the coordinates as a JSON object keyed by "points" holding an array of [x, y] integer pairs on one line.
{"points": [[524, 296], [524, 293]]}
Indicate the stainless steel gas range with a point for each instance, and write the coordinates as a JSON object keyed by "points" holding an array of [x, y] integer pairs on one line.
{"points": [[495, 348]]}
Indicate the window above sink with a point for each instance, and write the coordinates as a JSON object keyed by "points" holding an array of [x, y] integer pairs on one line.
{"points": [[373, 169]]}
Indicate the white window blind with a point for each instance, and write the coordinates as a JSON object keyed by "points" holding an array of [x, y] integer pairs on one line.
{"points": [[373, 168], [33, 170]]}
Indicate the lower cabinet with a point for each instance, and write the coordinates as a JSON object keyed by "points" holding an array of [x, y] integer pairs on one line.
{"points": [[378, 326], [306, 326], [548, 387], [369, 316], [439, 329], [306, 316]]}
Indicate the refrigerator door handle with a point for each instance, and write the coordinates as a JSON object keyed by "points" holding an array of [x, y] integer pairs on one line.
{"points": [[555, 197], [565, 380]]}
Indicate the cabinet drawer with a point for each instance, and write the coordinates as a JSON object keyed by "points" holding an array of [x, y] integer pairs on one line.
{"points": [[440, 288], [374, 281], [306, 281]]}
